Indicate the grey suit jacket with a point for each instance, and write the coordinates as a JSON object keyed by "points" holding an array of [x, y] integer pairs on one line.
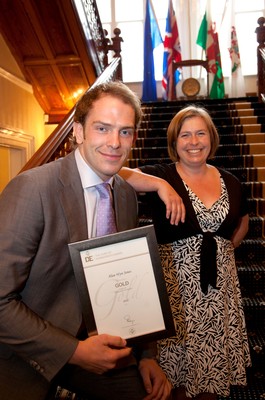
{"points": [[41, 211]]}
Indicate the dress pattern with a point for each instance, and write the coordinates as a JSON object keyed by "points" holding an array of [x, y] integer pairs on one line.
{"points": [[210, 349]]}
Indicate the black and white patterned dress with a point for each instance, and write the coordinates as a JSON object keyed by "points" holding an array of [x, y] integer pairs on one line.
{"points": [[210, 349]]}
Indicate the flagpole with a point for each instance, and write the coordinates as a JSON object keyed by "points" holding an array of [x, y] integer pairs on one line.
{"points": [[190, 36]]}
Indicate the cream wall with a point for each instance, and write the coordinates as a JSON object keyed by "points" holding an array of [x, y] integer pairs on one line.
{"points": [[18, 107], [22, 128]]}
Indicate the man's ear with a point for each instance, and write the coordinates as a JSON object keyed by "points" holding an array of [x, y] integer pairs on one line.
{"points": [[78, 132]]}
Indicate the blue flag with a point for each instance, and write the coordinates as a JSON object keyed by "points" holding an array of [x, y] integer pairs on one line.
{"points": [[152, 39]]}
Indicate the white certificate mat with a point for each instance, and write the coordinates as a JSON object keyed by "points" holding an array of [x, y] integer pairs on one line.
{"points": [[121, 285]]}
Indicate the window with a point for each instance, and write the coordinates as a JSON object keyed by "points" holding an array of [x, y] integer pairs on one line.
{"points": [[129, 17]]}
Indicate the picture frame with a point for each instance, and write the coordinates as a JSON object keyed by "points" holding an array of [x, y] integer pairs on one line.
{"points": [[121, 285]]}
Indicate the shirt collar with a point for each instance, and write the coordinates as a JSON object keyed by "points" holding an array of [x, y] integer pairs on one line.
{"points": [[88, 177]]}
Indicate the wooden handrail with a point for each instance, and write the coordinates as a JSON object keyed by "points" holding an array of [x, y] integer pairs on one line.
{"points": [[58, 143]]}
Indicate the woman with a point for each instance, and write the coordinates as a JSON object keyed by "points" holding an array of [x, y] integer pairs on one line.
{"points": [[210, 349]]}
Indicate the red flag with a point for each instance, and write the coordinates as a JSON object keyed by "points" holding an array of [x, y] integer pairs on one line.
{"points": [[208, 40], [172, 52]]}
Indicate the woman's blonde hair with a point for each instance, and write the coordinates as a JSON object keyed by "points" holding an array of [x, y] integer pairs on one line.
{"points": [[177, 122]]}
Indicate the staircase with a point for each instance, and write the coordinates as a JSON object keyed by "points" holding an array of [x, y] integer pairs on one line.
{"points": [[241, 126]]}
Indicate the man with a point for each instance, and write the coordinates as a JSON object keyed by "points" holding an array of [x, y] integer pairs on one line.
{"points": [[41, 211]]}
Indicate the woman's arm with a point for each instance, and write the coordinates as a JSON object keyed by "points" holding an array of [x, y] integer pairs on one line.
{"points": [[240, 231], [141, 182]]}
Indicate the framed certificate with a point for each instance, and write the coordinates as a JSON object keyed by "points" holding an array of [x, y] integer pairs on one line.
{"points": [[121, 285]]}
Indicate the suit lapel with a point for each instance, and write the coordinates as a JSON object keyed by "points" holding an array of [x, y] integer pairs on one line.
{"points": [[72, 199], [119, 205], [125, 205]]}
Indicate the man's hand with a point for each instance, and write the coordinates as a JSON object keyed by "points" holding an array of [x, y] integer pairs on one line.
{"points": [[100, 353], [175, 209], [155, 381]]}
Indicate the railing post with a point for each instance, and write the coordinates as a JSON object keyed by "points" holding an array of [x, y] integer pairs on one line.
{"points": [[114, 45], [260, 31]]}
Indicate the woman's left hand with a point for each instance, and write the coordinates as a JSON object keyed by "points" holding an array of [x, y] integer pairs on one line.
{"points": [[175, 209]]}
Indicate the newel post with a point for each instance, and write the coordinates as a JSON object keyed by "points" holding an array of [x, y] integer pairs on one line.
{"points": [[260, 31]]}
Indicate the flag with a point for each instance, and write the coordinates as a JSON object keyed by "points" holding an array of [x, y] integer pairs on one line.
{"points": [[208, 39], [172, 51], [152, 39], [237, 80]]}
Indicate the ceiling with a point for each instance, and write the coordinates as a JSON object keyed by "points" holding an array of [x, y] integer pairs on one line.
{"points": [[49, 45]]}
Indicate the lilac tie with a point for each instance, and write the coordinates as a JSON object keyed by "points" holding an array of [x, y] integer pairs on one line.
{"points": [[105, 213]]}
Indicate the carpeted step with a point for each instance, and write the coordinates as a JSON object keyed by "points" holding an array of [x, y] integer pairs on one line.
{"points": [[254, 137], [254, 309], [214, 107], [251, 277], [238, 105], [233, 102], [255, 189], [151, 142], [257, 348], [247, 120], [152, 133], [238, 138], [149, 152], [226, 131], [256, 207], [254, 148], [139, 162], [239, 161], [247, 174], [159, 128], [246, 112], [223, 150], [256, 228], [255, 389], [251, 250], [258, 160], [233, 161], [253, 128], [223, 111], [246, 138], [242, 148]]}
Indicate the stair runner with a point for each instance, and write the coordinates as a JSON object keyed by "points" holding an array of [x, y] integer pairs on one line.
{"points": [[241, 126]]}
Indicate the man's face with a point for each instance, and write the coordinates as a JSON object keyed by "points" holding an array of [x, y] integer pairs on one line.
{"points": [[107, 137]]}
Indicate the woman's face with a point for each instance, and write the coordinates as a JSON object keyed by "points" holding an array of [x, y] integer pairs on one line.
{"points": [[193, 143]]}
